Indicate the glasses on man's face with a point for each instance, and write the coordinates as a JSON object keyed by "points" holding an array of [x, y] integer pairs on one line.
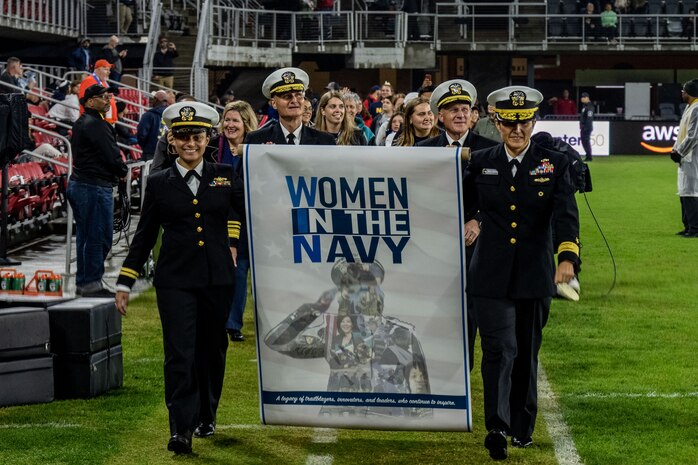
{"points": [[289, 96], [186, 137]]}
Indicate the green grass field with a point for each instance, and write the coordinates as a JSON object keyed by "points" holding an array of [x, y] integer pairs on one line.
{"points": [[622, 365]]}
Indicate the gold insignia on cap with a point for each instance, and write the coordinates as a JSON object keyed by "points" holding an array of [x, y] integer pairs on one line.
{"points": [[518, 98], [288, 77], [187, 113], [455, 88]]}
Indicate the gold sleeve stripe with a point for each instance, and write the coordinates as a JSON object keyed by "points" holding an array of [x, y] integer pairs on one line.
{"points": [[233, 222], [128, 272], [568, 247]]}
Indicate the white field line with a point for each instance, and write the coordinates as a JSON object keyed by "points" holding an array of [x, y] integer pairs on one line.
{"points": [[565, 450], [635, 395], [39, 425], [322, 436]]}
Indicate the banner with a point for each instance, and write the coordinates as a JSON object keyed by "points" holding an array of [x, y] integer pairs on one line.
{"points": [[358, 274], [569, 132]]}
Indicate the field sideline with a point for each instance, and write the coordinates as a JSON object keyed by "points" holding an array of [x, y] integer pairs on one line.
{"points": [[622, 367]]}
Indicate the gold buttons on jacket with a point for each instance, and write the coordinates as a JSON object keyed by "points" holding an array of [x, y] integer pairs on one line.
{"points": [[512, 240], [512, 188], [201, 243], [514, 225], [512, 207], [540, 193], [195, 201], [199, 229], [197, 215]]}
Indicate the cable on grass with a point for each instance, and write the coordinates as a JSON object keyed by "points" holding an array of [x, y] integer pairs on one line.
{"points": [[610, 252]]}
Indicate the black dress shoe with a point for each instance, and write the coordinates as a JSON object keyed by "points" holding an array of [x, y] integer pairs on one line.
{"points": [[691, 234], [205, 430], [496, 443], [521, 443], [682, 232], [180, 444], [235, 335]]}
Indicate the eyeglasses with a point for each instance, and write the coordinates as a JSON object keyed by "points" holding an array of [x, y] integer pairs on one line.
{"points": [[103, 96], [187, 136]]}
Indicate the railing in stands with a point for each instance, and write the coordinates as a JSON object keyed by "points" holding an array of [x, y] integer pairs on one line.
{"points": [[61, 17], [146, 72], [199, 73]]}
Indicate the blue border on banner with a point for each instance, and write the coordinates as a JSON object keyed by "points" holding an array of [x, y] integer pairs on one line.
{"points": [[364, 399], [464, 314], [248, 217]]}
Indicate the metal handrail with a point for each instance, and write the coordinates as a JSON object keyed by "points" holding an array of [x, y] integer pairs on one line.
{"points": [[153, 33]]}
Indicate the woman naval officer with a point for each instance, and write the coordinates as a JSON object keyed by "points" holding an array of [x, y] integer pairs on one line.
{"points": [[194, 274]]}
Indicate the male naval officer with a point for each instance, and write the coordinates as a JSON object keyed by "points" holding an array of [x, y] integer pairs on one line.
{"points": [[285, 88], [452, 101], [517, 187]]}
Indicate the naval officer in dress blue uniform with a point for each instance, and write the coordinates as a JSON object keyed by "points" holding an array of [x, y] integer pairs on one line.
{"points": [[524, 196], [285, 89], [198, 204]]}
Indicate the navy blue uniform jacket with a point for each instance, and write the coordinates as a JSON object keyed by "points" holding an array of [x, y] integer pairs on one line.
{"points": [[272, 133], [514, 254], [197, 229], [472, 140]]}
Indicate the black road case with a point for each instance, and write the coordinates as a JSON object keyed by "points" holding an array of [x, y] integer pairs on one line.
{"points": [[27, 381], [88, 375], [24, 333], [84, 325]]}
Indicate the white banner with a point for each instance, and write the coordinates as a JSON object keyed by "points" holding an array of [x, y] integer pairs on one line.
{"points": [[569, 132], [357, 262]]}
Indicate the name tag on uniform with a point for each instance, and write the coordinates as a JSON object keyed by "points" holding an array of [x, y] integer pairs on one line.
{"points": [[489, 172]]}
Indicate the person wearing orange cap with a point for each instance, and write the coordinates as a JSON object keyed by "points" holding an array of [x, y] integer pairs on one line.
{"points": [[99, 75]]}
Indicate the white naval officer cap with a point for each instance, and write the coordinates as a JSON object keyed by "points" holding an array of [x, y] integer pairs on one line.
{"points": [[515, 103], [409, 97], [190, 117], [285, 80], [455, 90]]}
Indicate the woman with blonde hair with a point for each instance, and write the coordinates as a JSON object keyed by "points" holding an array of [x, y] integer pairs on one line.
{"points": [[237, 121], [332, 118], [419, 124]]}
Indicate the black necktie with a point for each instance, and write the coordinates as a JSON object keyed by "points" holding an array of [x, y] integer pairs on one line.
{"points": [[191, 173], [291, 138], [456, 143], [514, 167]]}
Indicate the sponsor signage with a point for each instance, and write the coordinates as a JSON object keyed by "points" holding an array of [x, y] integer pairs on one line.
{"points": [[643, 137], [569, 132]]}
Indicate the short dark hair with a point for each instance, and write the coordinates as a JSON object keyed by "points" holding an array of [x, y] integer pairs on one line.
{"points": [[12, 61]]}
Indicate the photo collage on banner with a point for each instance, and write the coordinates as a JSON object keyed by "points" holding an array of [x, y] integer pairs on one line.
{"points": [[358, 275]]}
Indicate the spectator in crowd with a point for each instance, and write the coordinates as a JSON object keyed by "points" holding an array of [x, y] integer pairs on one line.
{"points": [[308, 113], [372, 102], [591, 23], [333, 119], [425, 92], [386, 111], [383, 129], [353, 108], [125, 15], [97, 166], [685, 153], [124, 135], [148, 131], [474, 114], [68, 110], [486, 127], [586, 124], [387, 90], [114, 56], [163, 62], [14, 75], [688, 24], [100, 76], [285, 89], [622, 6], [564, 105], [514, 189], [609, 23], [394, 127], [196, 203], [419, 124], [325, 5], [238, 121], [80, 58]]}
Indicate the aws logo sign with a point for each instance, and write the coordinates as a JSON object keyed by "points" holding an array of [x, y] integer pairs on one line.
{"points": [[659, 139]]}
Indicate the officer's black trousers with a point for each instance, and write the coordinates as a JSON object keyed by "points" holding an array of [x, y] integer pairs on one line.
{"points": [[511, 331], [585, 135], [195, 342], [689, 213]]}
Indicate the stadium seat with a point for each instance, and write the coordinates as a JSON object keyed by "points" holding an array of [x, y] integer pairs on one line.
{"points": [[667, 112]]}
